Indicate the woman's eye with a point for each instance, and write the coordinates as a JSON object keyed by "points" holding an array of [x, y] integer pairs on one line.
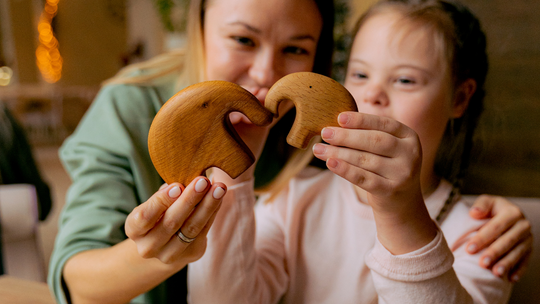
{"points": [[244, 40], [295, 50]]}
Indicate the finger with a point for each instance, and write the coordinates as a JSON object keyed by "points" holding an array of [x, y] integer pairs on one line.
{"points": [[368, 181], [175, 216], [482, 207], [204, 210], [145, 216], [503, 267], [176, 249], [356, 120], [519, 270], [493, 229], [364, 160], [519, 232], [376, 142]]}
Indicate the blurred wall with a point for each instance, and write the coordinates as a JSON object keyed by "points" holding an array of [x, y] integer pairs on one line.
{"points": [[92, 37], [510, 163]]}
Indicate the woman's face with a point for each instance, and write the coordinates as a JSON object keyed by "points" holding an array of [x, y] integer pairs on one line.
{"points": [[402, 77], [254, 43]]}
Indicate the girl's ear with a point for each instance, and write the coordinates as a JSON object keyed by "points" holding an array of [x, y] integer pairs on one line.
{"points": [[463, 95]]}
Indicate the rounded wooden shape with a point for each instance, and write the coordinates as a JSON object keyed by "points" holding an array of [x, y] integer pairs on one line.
{"points": [[192, 131], [318, 100]]}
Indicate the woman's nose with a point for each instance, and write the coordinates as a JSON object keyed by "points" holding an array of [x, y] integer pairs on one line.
{"points": [[264, 69], [375, 94]]}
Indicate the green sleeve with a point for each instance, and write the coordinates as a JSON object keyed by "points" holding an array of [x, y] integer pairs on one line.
{"points": [[108, 161]]}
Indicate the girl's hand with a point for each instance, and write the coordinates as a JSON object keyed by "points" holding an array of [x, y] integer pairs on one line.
{"points": [[508, 235], [383, 157], [378, 154], [154, 225]]}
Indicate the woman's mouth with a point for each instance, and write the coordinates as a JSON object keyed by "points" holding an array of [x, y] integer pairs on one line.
{"points": [[258, 92]]}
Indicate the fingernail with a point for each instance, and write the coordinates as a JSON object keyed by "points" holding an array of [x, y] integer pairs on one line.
{"points": [[472, 248], [218, 193], [343, 119], [500, 270], [487, 261], [201, 185], [476, 209], [319, 149], [327, 133], [175, 192], [515, 278], [332, 163]]}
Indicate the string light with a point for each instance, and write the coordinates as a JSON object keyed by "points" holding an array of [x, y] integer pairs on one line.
{"points": [[5, 75], [48, 57]]}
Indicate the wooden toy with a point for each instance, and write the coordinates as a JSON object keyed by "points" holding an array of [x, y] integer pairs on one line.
{"points": [[318, 100], [192, 131]]}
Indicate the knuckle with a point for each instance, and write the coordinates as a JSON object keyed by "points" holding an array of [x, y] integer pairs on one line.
{"points": [[376, 139], [191, 231], [146, 252], [361, 159], [514, 211], [166, 259], [170, 225], [358, 179], [496, 228], [526, 225]]}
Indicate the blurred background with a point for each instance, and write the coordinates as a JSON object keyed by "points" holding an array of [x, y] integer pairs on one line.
{"points": [[55, 53]]}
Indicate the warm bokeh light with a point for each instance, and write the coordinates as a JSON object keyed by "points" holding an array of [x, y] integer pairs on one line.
{"points": [[5, 75], [48, 57]]}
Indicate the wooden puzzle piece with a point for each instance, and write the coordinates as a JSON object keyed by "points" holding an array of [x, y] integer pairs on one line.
{"points": [[192, 131], [318, 100]]}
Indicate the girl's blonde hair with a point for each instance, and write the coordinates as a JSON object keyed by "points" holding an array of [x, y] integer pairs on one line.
{"points": [[189, 64]]}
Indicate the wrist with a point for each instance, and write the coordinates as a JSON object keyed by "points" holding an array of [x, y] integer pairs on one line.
{"points": [[405, 230]]}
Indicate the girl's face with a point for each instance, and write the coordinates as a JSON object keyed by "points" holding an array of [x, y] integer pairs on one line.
{"points": [[256, 42], [398, 74]]}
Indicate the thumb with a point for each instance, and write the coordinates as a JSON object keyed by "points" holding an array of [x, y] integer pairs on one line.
{"points": [[482, 207]]}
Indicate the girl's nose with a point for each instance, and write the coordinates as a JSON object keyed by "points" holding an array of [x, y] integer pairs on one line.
{"points": [[264, 69], [375, 94]]}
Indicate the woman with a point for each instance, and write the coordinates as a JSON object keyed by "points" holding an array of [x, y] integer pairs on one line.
{"points": [[108, 159]]}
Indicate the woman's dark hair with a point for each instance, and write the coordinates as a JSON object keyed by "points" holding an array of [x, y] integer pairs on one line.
{"points": [[463, 43]]}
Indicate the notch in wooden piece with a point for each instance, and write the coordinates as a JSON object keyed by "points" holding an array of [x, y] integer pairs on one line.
{"points": [[192, 131], [318, 100]]}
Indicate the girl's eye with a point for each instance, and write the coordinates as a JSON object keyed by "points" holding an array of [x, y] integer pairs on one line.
{"points": [[295, 50], [244, 40], [359, 75], [404, 80]]}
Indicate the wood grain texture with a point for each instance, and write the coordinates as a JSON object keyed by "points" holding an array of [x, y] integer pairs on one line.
{"points": [[192, 131], [318, 100]]}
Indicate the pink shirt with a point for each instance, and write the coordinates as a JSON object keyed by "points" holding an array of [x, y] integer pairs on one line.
{"points": [[317, 243]]}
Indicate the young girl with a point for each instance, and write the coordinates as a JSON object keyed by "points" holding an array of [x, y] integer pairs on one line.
{"points": [[386, 223]]}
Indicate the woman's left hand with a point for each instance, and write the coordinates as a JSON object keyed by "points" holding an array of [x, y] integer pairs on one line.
{"points": [[508, 235]]}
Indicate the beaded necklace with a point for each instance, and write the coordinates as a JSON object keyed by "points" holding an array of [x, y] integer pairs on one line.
{"points": [[450, 201]]}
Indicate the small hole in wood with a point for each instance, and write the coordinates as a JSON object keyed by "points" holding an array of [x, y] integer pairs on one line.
{"points": [[205, 105], [310, 87]]}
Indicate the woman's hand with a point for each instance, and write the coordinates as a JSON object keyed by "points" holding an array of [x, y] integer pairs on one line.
{"points": [[383, 157], [155, 224], [508, 235]]}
